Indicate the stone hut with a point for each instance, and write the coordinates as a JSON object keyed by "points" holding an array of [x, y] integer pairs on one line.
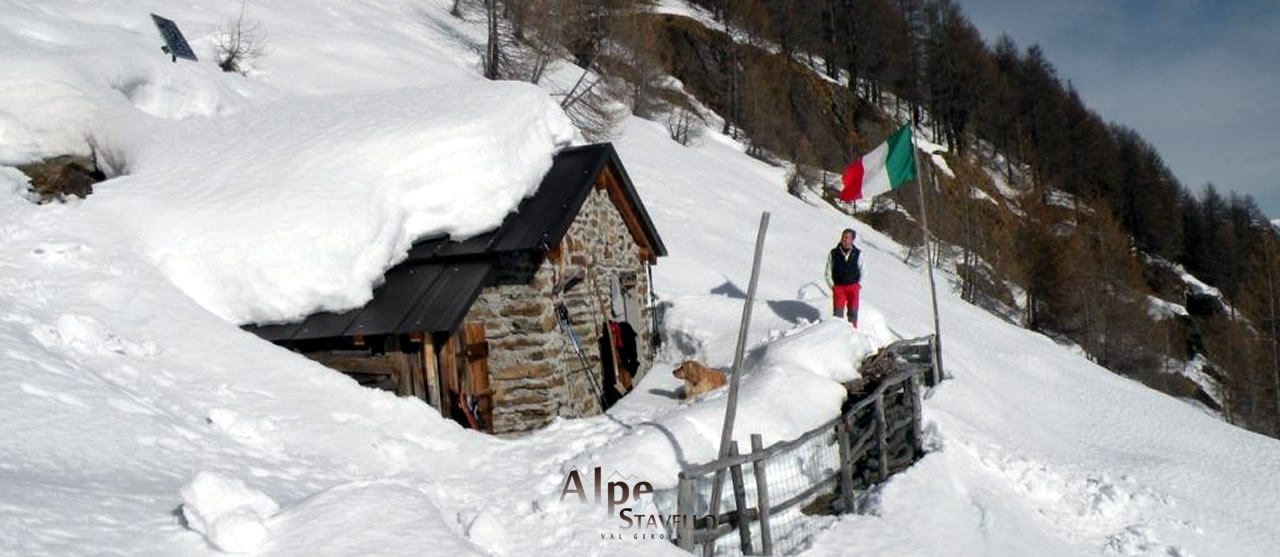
{"points": [[505, 331]]}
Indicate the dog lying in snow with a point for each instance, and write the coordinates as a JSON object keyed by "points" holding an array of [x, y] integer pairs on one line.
{"points": [[698, 378]]}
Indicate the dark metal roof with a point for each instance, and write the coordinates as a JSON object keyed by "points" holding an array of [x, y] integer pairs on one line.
{"points": [[436, 284], [544, 218], [414, 298]]}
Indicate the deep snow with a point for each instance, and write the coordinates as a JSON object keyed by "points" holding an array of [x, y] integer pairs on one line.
{"points": [[139, 422]]}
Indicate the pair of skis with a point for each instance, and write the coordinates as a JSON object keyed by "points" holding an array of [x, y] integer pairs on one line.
{"points": [[566, 325]]}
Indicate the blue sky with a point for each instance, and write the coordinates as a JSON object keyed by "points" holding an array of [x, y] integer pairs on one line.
{"points": [[1198, 79]]}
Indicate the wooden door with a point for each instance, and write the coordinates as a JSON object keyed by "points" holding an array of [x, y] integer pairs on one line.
{"points": [[476, 352]]}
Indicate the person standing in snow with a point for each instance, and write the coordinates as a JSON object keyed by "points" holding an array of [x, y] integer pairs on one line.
{"points": [[844, 276]]}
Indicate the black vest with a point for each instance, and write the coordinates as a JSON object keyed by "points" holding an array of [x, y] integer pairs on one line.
{"points": [[845, 271]]}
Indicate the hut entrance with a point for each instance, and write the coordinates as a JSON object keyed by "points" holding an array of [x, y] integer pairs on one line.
{"points": [[463, 391]]}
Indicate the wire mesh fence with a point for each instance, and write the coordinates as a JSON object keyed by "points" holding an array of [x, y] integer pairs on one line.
{"points": [[800, 474], [774, 499]]}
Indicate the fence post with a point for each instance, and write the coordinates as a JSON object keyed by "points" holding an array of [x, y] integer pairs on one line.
{"points": [[762, 495], [843, 431], [709, 539], [740, 500], [882, 437], [935, 357], [917, 402], [688, 514]]}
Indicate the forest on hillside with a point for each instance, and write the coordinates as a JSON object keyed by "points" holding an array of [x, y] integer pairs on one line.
{"points": [[1099, 227]]}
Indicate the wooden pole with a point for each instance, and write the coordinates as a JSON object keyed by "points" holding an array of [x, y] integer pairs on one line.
{"points": [[882, 437], [684, 508], [709, 538], [740, 500], [928, 258], [846, 463], [762, 495], [935, 363], [731, 407], [917, 411], [432, 369]]}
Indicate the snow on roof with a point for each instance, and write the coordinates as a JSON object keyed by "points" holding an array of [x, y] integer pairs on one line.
{"points": [[284, 210]]}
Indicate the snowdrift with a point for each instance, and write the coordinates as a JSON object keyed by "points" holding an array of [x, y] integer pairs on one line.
{"points": [[788, 388]]}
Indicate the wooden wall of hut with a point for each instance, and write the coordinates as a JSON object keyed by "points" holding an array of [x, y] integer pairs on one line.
{"points": [[447, 371]]}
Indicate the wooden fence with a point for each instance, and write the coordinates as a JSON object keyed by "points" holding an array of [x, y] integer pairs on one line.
{"points": [[876, 435]]}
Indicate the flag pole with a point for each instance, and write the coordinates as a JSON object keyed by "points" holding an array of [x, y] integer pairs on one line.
{"points": [[928, 259]]}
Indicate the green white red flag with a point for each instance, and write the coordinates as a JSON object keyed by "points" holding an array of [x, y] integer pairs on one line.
{"points": [[882, 170]]}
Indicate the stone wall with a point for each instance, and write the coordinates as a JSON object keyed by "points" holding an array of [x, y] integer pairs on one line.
{"points": [[534, 371]]}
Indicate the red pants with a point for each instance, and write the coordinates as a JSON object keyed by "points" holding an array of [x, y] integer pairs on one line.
{"points": [[846, 296]]}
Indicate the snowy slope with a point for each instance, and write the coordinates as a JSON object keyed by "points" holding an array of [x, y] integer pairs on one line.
{"points": [[129, 397]]}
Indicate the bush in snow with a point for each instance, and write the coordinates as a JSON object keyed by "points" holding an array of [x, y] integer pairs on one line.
{"points": [[684, 127], [238, 43]]}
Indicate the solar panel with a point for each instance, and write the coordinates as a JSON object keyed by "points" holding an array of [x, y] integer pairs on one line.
{"points": [[175, 44]]}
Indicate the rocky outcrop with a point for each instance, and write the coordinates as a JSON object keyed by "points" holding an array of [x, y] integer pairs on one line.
{"points": [[56, 178]]}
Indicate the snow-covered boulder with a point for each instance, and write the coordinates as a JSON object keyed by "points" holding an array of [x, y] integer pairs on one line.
{"points": [[231, 515]]}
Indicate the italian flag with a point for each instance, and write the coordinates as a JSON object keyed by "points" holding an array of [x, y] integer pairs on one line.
{"points": [[882, 170]]}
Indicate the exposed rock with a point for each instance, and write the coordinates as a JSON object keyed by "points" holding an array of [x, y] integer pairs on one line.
{"points": [[56, 178]]}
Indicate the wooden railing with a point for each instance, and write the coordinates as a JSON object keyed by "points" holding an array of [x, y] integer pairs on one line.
{"points": [[877, 435]]}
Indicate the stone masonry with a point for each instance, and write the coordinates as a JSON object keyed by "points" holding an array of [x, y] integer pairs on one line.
{"points": [[535, 373]]}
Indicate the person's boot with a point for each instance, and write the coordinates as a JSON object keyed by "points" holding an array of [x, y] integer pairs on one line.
{"points": [[839, 313], [853, 317]]}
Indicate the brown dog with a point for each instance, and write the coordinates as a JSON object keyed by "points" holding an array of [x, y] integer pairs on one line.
{"points": [[698, 378]]}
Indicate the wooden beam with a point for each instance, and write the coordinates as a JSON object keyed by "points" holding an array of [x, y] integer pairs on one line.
{"points": [[762, 495], [417, 375], [404, 374], [740, 500], [882, 437], [355, 364], [685, 509], [449, 375], [628, 211], [431, 369], [846, 464]]}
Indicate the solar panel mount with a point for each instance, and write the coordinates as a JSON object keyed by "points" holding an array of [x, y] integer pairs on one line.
{"points": [[175, 45]]}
